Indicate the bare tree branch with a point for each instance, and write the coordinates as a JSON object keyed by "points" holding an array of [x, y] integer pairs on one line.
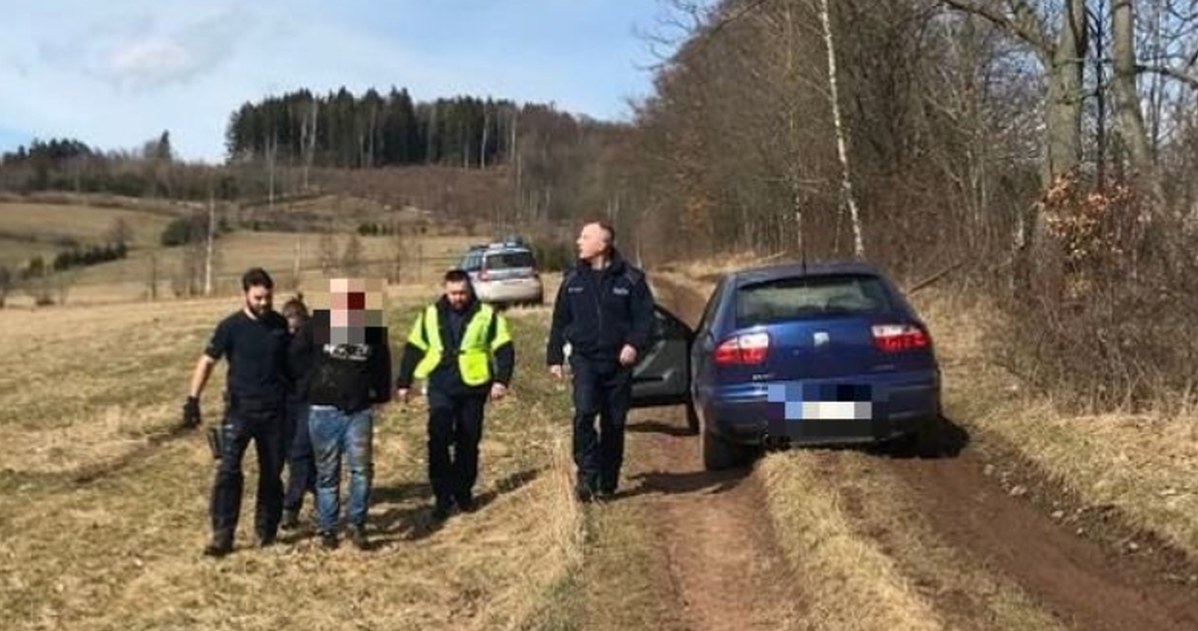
{"points": [[1177, 74], [1025, 24]]}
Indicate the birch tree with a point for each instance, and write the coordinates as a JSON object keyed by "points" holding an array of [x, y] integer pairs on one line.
{"points": [[846, 181]]}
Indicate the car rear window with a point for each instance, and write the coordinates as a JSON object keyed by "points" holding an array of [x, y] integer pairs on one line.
{"points": [[510, 260], [811, 297]]}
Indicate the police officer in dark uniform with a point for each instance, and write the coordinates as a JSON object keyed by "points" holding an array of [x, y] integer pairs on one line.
{"points": [[604, 309], [254, 340], [463, 349]]}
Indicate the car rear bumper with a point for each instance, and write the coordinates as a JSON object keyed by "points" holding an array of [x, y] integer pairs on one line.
{"points": [[509, 291], [899, 404]]}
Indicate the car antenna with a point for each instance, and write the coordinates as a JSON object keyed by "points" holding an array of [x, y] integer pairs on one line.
{"points": [[802, 253]]}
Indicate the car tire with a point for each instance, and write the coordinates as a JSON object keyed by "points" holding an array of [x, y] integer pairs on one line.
{"points": [[924, 442], [929, 437], [692, 418], [720, 454]]}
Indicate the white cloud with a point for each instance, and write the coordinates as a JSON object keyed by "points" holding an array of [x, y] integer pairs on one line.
{"points": [[155, 60]]}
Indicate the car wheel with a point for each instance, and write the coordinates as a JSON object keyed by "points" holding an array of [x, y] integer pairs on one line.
{"points": [[924, 442], [692, 418], [929, 438], [720, 454]]}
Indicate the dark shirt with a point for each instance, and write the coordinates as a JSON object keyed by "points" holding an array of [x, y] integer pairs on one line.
{"points": [[256, 351], [300, 358]]}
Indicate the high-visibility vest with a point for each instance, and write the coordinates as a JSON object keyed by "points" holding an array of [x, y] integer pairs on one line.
{"points": [[474, 356]]}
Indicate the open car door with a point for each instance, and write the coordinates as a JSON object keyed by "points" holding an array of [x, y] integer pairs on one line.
{"points": [[662, 375]]}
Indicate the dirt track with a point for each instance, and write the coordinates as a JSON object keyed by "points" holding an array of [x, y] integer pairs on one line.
{"points": [[725, 567], [727, 571]]}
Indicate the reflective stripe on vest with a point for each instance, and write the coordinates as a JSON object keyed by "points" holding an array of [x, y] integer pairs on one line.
{"points": [[474, 356]]}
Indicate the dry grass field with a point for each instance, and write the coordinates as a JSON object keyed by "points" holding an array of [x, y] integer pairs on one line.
{"points": [[103, 510], [29, 229]]}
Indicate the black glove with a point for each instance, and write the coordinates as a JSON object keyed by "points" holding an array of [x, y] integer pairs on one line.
{"points": [[191, 413]]}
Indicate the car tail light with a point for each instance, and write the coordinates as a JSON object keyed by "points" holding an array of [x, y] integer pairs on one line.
{"points": [[747, 349], [895, 338]]}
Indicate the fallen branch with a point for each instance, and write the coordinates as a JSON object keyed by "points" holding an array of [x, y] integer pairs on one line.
{"points": [[934, 277]]}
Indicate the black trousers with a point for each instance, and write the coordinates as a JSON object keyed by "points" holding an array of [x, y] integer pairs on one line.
{"points": [[602, 389], [455, 427], [300, 459], [266, 429]]}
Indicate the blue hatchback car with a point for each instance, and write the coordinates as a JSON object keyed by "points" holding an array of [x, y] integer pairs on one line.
{"points": [[819, 353]]}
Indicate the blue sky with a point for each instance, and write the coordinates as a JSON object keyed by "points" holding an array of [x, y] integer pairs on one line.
{"points": [[116, 73]]}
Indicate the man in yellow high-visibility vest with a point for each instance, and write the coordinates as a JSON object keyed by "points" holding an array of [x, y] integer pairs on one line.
{"points": [[463, 349]]}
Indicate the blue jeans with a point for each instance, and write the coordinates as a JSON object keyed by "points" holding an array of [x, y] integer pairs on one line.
{"points": [[335, 432]]}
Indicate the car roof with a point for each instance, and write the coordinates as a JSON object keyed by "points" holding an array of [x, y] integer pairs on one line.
{"points": [[767, 273]]}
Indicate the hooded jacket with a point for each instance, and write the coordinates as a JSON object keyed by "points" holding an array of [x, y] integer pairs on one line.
{"points": [[350, 377]]}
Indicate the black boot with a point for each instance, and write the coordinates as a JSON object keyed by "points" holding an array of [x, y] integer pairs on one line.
{"points": [[220, 545], [290, 520], [466, 503], [264, 539], [441, 511], [357, 535]]}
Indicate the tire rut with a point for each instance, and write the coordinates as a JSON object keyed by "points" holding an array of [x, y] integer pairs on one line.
{"points": [[712, 532], [1080, 582]]}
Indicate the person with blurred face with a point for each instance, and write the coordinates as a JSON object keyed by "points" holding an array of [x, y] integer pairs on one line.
{"points": [[254, 342], [463, 350], [604, 310], [349, 375]]}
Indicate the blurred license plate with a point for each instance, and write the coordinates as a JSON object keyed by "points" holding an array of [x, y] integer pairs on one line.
{"points": [[798, 401], [834, 410]]}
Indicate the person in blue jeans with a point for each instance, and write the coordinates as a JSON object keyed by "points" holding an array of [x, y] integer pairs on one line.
{"points": [[301, 465], [351, 372]]}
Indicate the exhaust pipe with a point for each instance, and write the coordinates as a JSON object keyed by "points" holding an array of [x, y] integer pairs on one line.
{"points": [[775, 443]]}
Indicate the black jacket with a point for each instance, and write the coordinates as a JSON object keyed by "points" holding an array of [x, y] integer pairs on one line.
{"points": [[446, 377], [350, 377], [599, 311]]}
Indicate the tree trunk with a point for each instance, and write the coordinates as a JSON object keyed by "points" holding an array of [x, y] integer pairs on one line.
{"points": [[309, 138], [208, 250], [1065, 74], [846, 183], [482, 146], [1127, 101], [272, 150], [1100, 131]]}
